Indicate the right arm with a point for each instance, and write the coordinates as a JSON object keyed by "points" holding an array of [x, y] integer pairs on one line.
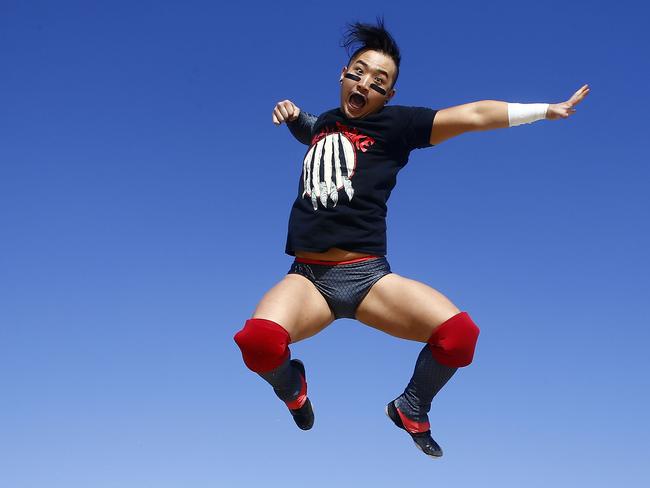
{"points": [[493, 114], [299, 123]]}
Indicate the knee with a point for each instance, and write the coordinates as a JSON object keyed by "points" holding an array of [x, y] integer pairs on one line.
{"points": [[264, 344], [453, 342]]}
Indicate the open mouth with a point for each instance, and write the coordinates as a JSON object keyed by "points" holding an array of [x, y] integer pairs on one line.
{"points": [[357, 101]]}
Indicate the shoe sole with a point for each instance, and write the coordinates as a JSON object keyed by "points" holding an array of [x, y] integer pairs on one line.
{"points": [[415, 443]]}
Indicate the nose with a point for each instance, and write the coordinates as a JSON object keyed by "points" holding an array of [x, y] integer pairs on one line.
{"points": [[364, 84]]}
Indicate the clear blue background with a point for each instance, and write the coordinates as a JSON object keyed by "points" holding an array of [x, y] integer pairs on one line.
{"points": [[144, 196]]}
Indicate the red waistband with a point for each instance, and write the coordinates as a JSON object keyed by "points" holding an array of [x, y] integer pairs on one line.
{"points": [[335, 263]]}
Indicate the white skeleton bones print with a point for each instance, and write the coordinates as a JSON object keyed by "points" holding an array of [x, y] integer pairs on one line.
{"points": [[330, 163], [333, 154]]}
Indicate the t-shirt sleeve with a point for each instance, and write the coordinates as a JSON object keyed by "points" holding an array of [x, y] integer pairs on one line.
{"points": [[302, 127], [418, 124]]}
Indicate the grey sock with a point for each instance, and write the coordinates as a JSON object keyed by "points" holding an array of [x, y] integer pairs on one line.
{"points": [[427, 380], [285, 380]]}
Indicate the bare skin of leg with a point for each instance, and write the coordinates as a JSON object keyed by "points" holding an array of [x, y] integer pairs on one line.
{"points": [[405, 308], [297, 306]]}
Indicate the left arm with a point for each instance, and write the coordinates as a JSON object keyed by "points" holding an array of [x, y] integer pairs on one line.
{"points": [[492, 114]]}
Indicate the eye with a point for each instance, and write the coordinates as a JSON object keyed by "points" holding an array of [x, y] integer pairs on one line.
{"points": [[379, 81], [359, 70]]}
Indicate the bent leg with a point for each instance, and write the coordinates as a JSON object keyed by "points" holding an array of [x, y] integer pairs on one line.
{"points": [[405, 308], [297, 305], [291, 311], [411, 310]]}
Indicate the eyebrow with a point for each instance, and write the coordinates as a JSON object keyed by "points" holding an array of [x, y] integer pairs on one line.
{"points": [[365, 65]]}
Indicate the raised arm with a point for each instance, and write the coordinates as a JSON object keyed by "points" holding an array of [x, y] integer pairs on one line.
{"points": [[300, 123], [492, 114]]}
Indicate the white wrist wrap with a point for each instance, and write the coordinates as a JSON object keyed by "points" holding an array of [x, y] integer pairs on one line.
{"points": [[525, 113]]}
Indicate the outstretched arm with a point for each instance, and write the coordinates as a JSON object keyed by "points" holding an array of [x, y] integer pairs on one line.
{"points": [[492, 114], [299, 123]]}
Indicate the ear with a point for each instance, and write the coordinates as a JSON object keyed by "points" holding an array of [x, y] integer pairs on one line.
{"points": [[343, 71], [390, 95]]}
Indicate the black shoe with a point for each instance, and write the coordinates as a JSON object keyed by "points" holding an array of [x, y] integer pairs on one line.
{"points": [[303, 416], [423, 440]]}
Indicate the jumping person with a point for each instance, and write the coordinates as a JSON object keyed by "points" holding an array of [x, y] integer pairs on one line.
{"points": [[337, 233]]}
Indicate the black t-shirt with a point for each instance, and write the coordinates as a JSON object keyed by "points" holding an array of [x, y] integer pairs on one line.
{"points": [[348, 174]]}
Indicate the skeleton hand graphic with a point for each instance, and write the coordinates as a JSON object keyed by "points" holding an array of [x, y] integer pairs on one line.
{"points": [[327, 168]]}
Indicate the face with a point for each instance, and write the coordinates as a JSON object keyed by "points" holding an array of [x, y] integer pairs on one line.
{"points": [[366, 84]]}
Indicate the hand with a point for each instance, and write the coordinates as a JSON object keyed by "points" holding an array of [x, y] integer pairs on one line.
{"points": [[285, 111], [564, 109]]}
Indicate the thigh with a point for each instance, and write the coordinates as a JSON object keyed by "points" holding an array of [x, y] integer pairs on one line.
{"points": [[296, 305], [405, 308]]}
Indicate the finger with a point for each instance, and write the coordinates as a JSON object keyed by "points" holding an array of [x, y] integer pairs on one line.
{"points": [[582, 88], [275, 119], [290, 108], [575, 96], [283, 111], [294, 112], [278, 116], [577, 92], [580, 94]]}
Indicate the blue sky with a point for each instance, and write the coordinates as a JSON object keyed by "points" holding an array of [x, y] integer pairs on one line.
{"points": [[144, 197]]}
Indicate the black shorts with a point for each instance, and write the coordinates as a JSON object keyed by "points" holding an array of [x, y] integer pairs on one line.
{"points": [[343, 285]]}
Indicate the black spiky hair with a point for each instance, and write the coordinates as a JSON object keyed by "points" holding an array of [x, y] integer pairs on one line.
{"points": [[371, 37]]}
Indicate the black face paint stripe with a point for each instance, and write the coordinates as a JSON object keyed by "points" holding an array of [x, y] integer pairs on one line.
{"points": [[377, 88]]}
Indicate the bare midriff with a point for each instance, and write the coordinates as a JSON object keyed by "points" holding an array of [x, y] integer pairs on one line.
{"points": [[332, 254]]}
